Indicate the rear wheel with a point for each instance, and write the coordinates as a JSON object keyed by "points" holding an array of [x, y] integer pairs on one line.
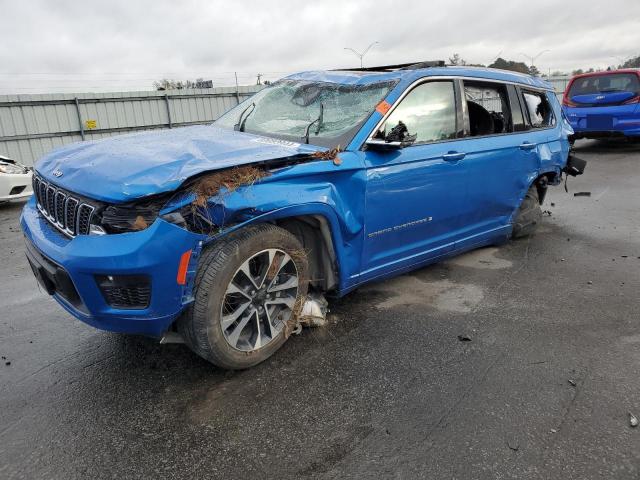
{"points": [[528, 215], [248, 287]]}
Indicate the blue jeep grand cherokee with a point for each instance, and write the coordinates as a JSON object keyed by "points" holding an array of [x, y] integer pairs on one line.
{"points": [[322, 181]]}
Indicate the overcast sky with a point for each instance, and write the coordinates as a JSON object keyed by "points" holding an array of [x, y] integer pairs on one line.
{"points": [[62, 46]]}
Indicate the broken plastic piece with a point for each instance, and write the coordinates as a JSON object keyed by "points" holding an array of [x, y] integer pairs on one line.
{"points": [[582, 194], [633, 420], [171, 337], [464, 338], [572, 382], [575, 166], [314, 310]]}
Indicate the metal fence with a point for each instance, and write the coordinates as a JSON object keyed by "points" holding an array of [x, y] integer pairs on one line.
{"points": [[32, 125], [559, 83]]}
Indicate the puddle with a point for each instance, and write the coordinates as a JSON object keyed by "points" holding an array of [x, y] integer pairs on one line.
{"points": [[484, 258], [443, 295]]}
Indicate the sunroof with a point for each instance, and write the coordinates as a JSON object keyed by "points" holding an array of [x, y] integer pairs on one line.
{"points": [[400, 66]]}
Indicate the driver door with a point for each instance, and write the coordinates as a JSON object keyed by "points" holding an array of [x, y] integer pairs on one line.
{"points": [[415, 195]]}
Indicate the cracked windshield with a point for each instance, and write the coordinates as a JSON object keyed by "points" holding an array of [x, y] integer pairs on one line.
{"points": [[321, 113]]}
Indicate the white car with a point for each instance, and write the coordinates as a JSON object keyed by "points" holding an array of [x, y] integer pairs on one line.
{"points": [[15, 180]]}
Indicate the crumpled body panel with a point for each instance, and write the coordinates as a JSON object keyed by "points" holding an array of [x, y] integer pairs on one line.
{"points": [[124, 168]]}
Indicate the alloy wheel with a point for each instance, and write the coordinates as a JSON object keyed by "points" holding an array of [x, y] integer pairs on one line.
{"points": [[259, 300]]}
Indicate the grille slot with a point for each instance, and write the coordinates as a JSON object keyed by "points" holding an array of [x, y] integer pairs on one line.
{"points": [[67, 213]]}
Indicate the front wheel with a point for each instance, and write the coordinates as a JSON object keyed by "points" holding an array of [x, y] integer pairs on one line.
{"points": [[247, 289]]}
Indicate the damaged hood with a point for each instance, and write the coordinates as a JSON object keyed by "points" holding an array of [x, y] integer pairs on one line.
{"points": [[123, 168]]}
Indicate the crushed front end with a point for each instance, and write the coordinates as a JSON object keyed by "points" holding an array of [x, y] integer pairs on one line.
{"points": [[121, 269]]}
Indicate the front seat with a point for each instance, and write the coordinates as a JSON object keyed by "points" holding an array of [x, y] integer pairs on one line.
{"points": [[480, 120]]}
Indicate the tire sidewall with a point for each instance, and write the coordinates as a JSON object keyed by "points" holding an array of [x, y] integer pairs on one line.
{"points": [[222, 353]]}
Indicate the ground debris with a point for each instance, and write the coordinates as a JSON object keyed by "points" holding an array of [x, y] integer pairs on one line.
{"points": [[309, 311], [582, 194], [513, 445], [464, 338], [633, 420], [329, 155], [572, 382], [547, 213], [140, 223], [210, 185]]}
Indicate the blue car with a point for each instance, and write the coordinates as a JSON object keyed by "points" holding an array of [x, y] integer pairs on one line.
{"points": [[220, 234], [604, 104]]}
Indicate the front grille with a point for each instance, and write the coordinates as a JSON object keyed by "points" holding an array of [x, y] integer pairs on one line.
{"points": [[66, 212], [125, 291]]}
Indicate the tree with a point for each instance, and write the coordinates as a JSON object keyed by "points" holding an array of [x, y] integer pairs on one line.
{"points": [[632, 63], [513, 66], [457, 60]]}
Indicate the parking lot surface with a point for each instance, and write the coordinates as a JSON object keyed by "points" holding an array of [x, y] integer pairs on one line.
{"points": [[518, 361]]}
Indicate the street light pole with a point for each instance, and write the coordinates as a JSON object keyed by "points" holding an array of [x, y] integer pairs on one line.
{"points": [[535, 57], [361, 55]]}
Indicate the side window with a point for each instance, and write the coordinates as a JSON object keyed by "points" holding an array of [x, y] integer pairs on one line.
{"points": [[517, 117], [488, 108], [538, 109], [428, 112]]}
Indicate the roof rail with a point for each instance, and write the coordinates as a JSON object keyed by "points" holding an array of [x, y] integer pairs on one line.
{"points": [[400, 66]]}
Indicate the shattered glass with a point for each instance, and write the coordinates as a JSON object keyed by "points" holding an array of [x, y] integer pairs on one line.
{"points": [[287, 108]]}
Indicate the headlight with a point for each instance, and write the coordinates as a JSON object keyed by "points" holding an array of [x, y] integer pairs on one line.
{"points": [[128, 218], [11, 168]]}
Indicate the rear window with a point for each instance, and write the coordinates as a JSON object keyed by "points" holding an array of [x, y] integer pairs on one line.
{"points": [[615, 82]]}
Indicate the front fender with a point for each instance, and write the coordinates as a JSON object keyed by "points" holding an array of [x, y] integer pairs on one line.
{"points": [[348, 263], [335, 194]]}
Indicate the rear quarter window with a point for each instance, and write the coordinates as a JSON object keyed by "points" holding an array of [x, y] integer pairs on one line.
{"points": [[538, 109]]}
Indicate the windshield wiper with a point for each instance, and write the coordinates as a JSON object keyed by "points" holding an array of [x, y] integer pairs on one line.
{"points": [[240, 125], [318, 120]]}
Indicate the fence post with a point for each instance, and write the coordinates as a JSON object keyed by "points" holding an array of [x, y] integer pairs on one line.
{"points": [[237, 90], [79, 117], [166, 101]]}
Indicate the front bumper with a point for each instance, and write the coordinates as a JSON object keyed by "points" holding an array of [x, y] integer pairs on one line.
{"points": [[14, 186], [154, 253]]}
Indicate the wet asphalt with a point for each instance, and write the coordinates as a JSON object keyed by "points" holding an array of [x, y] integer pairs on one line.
{"points": [[520, 361]]}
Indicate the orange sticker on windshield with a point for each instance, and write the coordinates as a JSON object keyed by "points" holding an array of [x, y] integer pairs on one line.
{"points": [[383, 107]]}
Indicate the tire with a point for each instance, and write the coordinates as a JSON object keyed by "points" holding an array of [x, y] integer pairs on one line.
{"points": [[228, 272], [528, 216]]}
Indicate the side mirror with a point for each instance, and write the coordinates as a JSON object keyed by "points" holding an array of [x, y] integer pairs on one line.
{"points": [[381, 145], [398, 137]]}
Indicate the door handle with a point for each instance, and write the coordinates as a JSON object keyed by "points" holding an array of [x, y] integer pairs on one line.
{"points": [[527, 146], [453, 156]]}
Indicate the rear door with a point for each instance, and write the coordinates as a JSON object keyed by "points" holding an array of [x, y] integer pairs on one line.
{"points": [[502, 156], [415, 195]]}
